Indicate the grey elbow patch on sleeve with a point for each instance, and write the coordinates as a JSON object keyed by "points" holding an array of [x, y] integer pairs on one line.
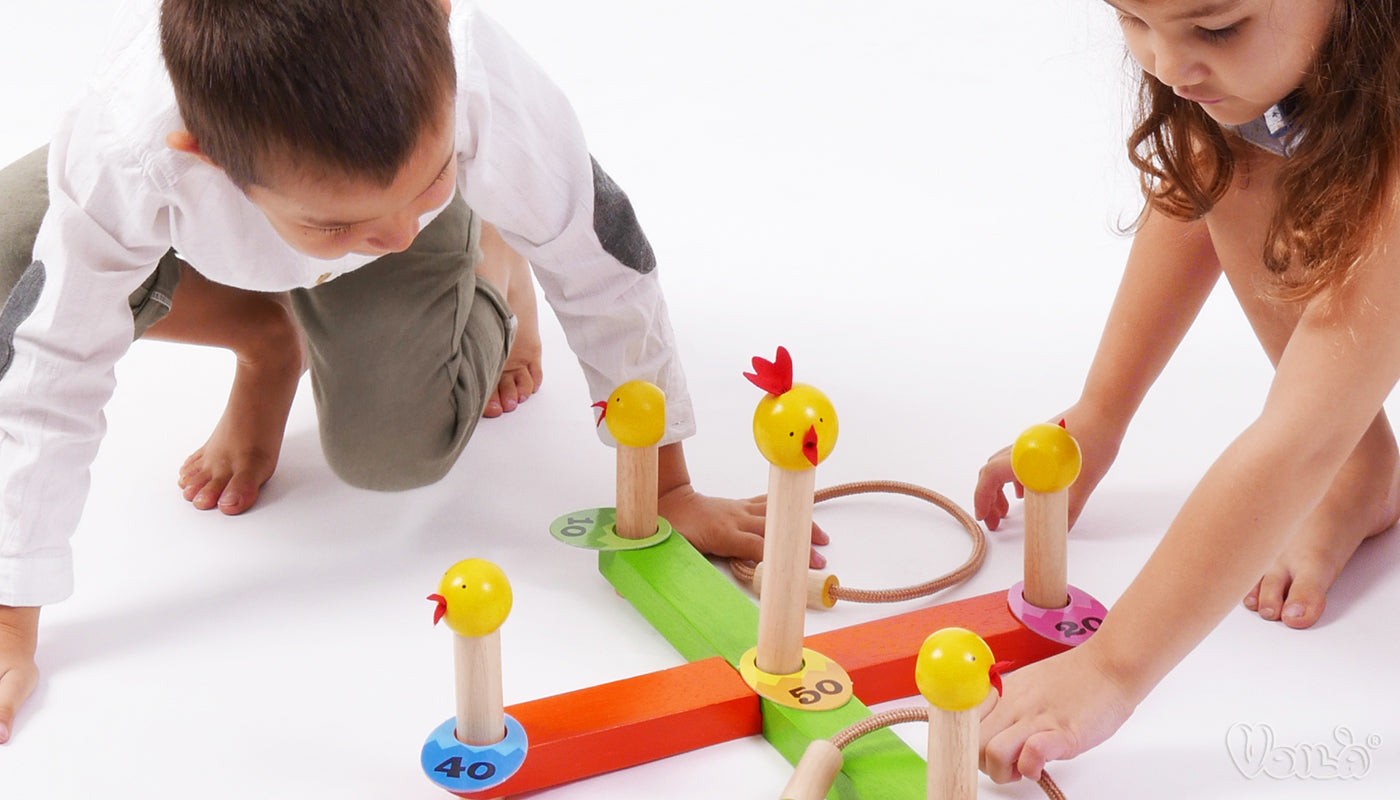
{"points": [[23, 298], [616, 224]]}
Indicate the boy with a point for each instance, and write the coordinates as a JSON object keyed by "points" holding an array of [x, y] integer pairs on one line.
{"points": [[341, 151]]}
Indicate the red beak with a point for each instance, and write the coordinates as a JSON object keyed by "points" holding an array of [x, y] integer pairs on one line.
{"points": [[441, 607], [995, 674], [809, 445], [602, 406]]}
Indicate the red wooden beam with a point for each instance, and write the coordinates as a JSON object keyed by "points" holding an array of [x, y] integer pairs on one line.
{"points": [[879, 656], [628, 722]]}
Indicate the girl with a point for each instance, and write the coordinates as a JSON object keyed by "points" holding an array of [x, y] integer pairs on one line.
{"points": [[1267, 146]]}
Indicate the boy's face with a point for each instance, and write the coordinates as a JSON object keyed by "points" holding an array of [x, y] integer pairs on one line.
{"points": [[328, 217], [1235, 58]]}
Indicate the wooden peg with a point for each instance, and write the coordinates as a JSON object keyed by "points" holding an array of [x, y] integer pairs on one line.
{"points": [[952, 754], [1046, 460], [795, 428], [636, 491], [1046, 555], [474, 598], [955, 672], [635, 414], [480, 701], [787, 542], [815, 772], [819, 586]]}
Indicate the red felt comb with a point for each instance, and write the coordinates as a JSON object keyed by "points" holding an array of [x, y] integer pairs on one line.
{"points": [[773, 377], [995, 674], [441, 608]]}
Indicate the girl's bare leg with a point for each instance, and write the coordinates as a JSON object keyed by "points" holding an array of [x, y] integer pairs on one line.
{"points": [[241, 454], [1364, 500], [508, 271]]}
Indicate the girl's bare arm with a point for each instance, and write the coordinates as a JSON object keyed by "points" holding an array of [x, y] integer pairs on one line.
{"points": [[1341, 362], [1171, 270]]}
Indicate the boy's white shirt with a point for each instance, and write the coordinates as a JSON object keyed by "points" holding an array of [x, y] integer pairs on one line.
{"points": [[119, 199]]}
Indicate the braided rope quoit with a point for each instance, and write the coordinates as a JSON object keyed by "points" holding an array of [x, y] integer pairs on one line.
{"points": [[917, 714], [743, 570]]}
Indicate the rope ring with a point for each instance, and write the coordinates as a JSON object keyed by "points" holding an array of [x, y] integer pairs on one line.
{"points": [[843, 738], [744, 570]]}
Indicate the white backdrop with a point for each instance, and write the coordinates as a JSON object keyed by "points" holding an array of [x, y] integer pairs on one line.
{"points": [[917, 199]]}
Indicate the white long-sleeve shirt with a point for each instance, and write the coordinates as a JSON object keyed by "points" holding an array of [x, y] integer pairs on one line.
{"points": [[120, 198]]}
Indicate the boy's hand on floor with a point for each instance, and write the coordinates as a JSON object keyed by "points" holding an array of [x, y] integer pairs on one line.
{"points": [[723, 527], [19, 630]]}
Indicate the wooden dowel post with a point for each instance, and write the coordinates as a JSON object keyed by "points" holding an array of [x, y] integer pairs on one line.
{"points": [[636, 491], [786, 545], [815, 773], [952, 754], [1046, 460], [480, 700], [1046, 558], [954, 671], [474, 598], [635, 414]]}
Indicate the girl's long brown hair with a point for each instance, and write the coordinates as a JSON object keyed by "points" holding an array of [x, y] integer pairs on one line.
{"points": [[1335, 191]]}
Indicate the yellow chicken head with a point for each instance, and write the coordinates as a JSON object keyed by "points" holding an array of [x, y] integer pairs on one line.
{"points": [[1046, 458], [635, 413], [795, 424], [955, 670], [474, 597]]}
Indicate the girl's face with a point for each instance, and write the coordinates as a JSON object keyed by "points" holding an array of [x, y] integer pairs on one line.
{"points": [[1235, 58]]}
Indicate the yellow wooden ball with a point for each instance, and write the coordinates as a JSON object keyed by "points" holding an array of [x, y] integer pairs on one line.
{"points": [[477, 597], [797, 429], [953, 670], [636, 414], [1045, 458]]}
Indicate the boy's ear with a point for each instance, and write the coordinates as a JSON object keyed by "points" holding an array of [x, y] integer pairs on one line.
{"points": [[185, 142]]}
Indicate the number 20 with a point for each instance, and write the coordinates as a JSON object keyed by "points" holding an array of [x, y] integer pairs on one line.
{"points": [[1072, 629]]}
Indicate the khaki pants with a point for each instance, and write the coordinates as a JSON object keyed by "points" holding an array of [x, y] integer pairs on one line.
{"points": [[404, 351]]}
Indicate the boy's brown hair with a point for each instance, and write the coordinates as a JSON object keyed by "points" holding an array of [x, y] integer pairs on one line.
{"points": [[337, 87], [1340, 183]]}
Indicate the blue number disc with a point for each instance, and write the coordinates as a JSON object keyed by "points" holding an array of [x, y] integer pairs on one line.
{"points": [[463, 768]]}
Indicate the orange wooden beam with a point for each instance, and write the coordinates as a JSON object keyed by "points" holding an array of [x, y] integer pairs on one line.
{"points": [[629, 722], [879, 656]]}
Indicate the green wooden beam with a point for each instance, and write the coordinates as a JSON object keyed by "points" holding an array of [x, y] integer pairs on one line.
{"points": [[703, 614], [699, 611]]}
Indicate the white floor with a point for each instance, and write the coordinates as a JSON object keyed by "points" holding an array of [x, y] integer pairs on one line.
{"points": [[918, 199]]}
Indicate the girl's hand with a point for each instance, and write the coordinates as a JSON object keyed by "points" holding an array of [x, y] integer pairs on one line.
{"points": [[723, 527], [1098, 446], [19, 628], [1049, 711]]}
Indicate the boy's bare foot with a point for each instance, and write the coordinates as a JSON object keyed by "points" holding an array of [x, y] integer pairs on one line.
{"points": [[522, 374], [241, 454], [1364, 500]]}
